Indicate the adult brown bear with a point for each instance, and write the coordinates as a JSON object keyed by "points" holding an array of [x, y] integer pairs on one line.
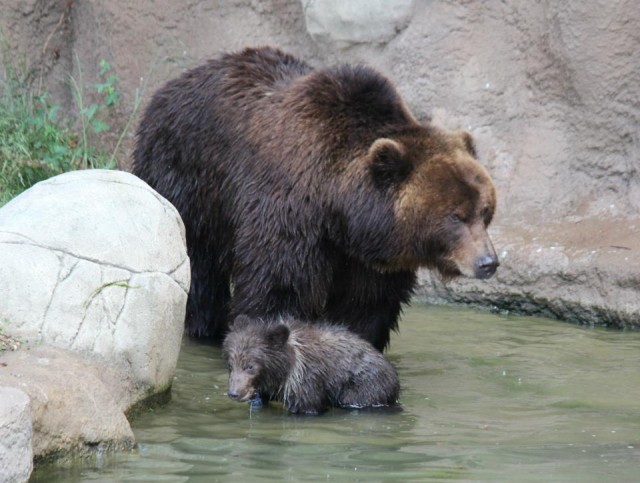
{"points": [[313, 192]]}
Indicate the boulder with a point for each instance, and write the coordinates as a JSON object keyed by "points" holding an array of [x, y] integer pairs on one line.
{"points": [[95, 261], [339, 23], [16, 454], [77, 402], [92, 263]]}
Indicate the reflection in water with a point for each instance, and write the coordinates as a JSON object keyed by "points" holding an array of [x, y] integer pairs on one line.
{"points": [[484, 397]]}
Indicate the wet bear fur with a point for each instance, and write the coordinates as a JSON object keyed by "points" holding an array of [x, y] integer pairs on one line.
{"points": [[308, 368], [314, 192]]}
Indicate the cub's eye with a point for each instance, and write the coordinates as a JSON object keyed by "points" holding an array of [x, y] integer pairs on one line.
{"points": [[455, 218], [250, 368]]}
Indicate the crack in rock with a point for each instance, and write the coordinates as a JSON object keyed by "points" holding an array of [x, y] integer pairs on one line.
{"points": [[89, 259]]}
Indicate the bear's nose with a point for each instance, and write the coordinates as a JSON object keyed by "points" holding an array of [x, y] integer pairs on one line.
{"points": [[232, 395], [486, 266]]}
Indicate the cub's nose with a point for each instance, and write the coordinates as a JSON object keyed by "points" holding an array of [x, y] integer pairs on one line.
{"points": [[486, 266], [232, 395]]}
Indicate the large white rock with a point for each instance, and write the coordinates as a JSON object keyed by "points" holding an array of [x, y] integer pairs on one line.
{"points": [[343, 23], [95, 261], [16, 454]]}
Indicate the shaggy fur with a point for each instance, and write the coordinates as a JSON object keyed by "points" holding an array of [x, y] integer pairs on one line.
{"points": [[306, 367], [314, 192]]}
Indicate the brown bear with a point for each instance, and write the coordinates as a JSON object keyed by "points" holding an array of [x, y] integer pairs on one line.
{"points": [[306, 367], [314, 192]]}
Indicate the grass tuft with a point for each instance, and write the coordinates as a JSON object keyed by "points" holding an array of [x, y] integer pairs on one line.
{"points": [[35, 143]]}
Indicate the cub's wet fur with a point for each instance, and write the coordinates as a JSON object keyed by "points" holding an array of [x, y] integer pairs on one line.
{"points": [[308, 367]]}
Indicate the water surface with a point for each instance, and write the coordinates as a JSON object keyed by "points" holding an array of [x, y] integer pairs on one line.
{"points": [[484, 397]]}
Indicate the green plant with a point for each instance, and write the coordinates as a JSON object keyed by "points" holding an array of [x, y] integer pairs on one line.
{"points": [[36, 144], [92, 117], [33, 144]]}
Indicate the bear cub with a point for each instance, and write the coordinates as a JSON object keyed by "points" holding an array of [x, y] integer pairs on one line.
{"points": [[308, 368]]}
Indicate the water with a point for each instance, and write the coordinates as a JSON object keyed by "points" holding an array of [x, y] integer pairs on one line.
{"points": [[485, 397]]}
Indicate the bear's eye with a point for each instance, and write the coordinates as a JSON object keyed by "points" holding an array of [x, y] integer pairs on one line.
{"points": [[250, 368], [455, 218]]}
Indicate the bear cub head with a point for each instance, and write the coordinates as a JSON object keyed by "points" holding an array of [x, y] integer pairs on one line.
{"points": [[256, 358]]}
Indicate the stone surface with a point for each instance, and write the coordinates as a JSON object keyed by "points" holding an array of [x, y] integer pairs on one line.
{"points": [[547, 88], [78, 403], [94, 278], [95, 261], [577, 272], [342, 24], [16, 453]]}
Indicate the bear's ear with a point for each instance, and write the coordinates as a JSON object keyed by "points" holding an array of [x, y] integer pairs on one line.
{"points": [[468, 142], [278, 335], [241, 322], [389, 163]]}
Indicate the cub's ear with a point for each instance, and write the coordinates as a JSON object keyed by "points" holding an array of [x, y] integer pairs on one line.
{"points": [[389, 164], [241, 322], [278, 335]]}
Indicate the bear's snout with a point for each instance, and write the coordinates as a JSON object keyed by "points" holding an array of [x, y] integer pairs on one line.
{"points": [[474, 255], [240, 395], [486, 266], [240, 387]]}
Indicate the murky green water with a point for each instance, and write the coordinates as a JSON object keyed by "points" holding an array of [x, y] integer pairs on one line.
{"points": [[485, 397]]}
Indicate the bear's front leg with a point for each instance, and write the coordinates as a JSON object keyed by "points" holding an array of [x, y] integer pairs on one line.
{"points": [[280, 279], [368, 301]]}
